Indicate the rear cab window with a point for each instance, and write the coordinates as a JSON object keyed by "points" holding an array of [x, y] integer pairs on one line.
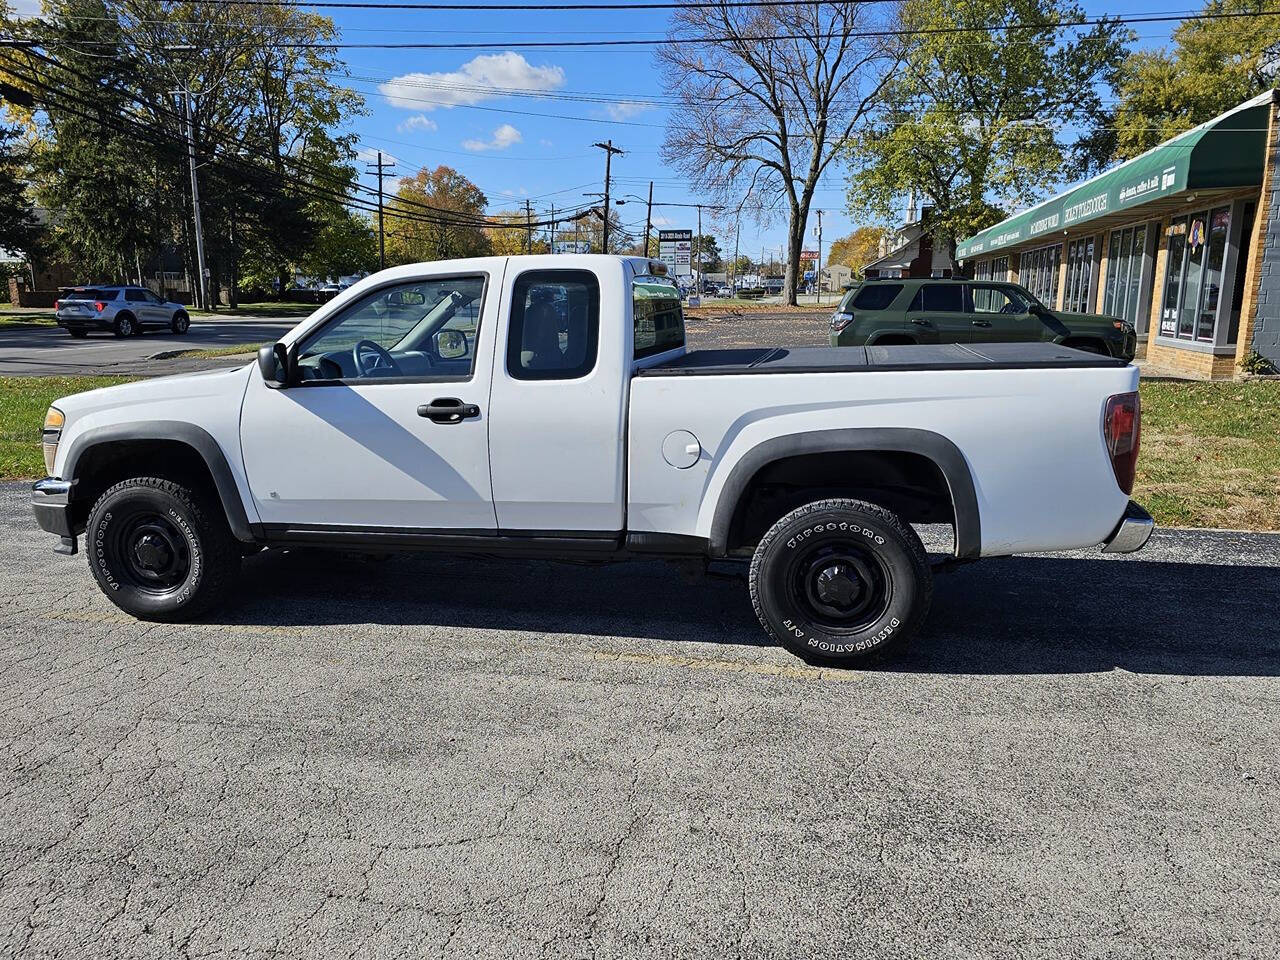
{"points": [[657, 318]]}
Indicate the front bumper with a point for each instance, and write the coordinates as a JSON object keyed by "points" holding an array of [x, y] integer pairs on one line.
{"points": [[51, 503], [1132, 532]]}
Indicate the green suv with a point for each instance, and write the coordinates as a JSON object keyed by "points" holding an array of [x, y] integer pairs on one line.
{"points": [[888, 311]]}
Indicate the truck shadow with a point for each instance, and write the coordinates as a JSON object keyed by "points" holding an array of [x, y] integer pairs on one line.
{"points": [[1015, 615]]}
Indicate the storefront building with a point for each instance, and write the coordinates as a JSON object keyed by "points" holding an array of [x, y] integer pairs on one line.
{"points": [[1182, 241]]}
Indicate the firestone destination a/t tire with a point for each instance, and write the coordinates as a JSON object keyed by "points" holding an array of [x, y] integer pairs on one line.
{"points": [[841, 582]]}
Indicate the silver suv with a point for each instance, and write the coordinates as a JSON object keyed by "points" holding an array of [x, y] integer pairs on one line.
{"points": [[125, 311]]}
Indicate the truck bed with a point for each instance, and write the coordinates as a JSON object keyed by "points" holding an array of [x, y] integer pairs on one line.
{"points": [[942, 356]]}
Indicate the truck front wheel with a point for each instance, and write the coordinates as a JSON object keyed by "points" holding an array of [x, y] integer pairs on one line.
{"points": [[841, 582], [160, 550]]}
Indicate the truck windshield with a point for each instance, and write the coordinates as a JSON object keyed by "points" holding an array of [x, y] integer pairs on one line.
{"points": [[658, 319]]}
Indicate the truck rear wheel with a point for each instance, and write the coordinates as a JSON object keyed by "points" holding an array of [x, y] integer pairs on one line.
{"points": [[160, 550], [841, 582]]}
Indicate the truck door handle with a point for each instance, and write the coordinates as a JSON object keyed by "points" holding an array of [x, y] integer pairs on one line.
{"points": [[982, 323], [922, 323], [448, 410]]}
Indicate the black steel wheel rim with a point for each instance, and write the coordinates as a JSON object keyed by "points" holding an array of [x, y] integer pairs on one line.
{"points": [[840, 585], [151, 552]]}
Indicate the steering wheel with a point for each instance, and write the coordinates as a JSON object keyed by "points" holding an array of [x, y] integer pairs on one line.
{"points": [[372, 360]]}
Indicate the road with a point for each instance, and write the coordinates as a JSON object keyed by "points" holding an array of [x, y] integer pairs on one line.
{"points": [[44, 351], [441, 757]]}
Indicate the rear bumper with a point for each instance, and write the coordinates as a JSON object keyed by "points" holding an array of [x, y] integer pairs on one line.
{"points": [[86, 323], [1132, 532], [51, 503]]}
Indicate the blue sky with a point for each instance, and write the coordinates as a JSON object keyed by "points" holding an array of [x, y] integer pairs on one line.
{"points": [[538, 147], [431, 107]]}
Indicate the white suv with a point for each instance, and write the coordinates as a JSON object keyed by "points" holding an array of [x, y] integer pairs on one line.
{"points": [[125, 311]]}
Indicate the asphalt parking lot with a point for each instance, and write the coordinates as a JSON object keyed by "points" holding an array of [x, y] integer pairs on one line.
{"points": [[431, 756]]}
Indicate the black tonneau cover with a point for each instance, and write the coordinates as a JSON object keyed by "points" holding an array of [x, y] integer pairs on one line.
{"points": [[939, 356]]}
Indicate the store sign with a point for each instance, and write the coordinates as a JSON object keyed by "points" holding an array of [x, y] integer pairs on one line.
{"points": [[571, 246], [808, 255], [675, 249]]}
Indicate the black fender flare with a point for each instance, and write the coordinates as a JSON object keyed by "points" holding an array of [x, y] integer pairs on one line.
{"points": [[944, 454], [197, 438]]}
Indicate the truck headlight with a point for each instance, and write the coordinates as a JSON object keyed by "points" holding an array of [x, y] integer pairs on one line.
{"points": [[53, 421], [840, 320]]}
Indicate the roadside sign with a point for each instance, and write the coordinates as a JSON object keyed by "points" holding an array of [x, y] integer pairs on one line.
{"points": [[571, 246], [809, 255], [675, 249]]}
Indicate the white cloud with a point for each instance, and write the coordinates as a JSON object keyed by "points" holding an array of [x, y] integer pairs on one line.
{"points": [[544, 142], [418, 122], [25, 8], [503, 137], [661, 221], [486, 77], [519, 192], [626, 108]]}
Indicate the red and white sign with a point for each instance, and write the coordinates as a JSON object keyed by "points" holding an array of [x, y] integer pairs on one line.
{"points": [[808, 254]]}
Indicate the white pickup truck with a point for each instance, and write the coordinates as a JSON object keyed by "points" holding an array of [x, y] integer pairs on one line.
{"points": [[547, 406]]}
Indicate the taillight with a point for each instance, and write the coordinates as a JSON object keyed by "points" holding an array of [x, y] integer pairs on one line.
{"points": [[57, 305], [841, 320], [100, 306], [1121, 429]]}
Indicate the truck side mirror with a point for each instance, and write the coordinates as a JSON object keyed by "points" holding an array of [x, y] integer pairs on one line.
{"points": [[273, 364]]}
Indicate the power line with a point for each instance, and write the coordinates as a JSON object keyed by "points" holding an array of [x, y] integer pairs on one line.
{"points": [[770, 38]]}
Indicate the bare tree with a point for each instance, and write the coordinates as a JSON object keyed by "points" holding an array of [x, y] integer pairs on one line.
{"points": [[767, 96]]}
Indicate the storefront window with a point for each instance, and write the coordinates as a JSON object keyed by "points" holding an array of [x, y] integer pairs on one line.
{"points": [[1038, 272], [982, 270], [1000, 268], [1193, 290], [1125, 262], [1079, 275]]}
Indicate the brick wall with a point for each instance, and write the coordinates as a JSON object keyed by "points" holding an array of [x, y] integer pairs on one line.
{"points": [[1263, 332]]}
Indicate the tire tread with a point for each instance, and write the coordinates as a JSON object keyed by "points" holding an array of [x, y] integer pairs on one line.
{"points": [[919, 557]]}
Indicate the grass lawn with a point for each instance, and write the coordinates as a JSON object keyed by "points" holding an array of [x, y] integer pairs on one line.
{"points": [[1210, 451], [261, 310], [211, 353], [26, 316], [1211, 454], [23, 402]]}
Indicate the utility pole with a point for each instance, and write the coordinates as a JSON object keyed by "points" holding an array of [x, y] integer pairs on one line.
{"points": [[528, 228], [381, 169], [648, 219], [817, 273], [737, 235], [551, 231], [195, 201], [697, 252], [609, 150]]}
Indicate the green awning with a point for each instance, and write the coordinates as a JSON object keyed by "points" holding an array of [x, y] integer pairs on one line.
{"points": [[1228, 151]]}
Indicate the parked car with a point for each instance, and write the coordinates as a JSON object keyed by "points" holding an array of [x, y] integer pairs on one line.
{"points": [[900, 311], [125, 311], [547, 406]]}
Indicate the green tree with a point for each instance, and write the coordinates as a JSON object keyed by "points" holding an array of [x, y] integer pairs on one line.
{"points": [[436, 215], [706, 253], [20, 232], [1213, 65], [344, 244], [972, 122]]}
